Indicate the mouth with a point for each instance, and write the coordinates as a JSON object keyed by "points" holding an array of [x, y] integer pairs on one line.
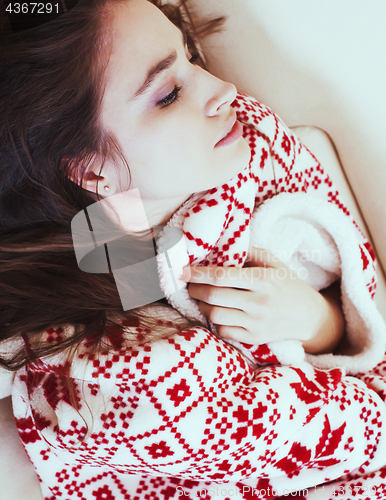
{"points": [[234, 133]]}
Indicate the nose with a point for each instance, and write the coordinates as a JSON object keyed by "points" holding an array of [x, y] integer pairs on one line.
{"points": [[222, 95]]}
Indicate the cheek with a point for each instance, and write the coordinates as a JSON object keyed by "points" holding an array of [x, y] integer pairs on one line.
{"points": [[166, 144]]}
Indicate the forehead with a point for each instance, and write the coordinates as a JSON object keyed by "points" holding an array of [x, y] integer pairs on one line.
{"points": [[141, 36]]}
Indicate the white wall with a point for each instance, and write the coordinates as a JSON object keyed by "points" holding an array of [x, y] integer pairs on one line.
{"points": [[319, 63]]}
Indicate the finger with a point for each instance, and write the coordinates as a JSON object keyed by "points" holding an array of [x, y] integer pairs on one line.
{"points": [[243, 335], [223, 315], [235, 333], [223, 297], [230, 277], [261, 257]]}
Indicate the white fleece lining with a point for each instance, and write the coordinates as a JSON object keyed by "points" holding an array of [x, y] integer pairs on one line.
{"points": [[299, 227]]}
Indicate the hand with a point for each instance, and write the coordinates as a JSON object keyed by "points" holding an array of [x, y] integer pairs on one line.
{"points": [[266, 302]]}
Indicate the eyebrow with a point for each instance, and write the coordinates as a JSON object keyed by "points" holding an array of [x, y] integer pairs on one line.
{"points": [[159, 68]]}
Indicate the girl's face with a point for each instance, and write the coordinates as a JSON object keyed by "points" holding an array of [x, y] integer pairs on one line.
{"points": [[167, 113]]}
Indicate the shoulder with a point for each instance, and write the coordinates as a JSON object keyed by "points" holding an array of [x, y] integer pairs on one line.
{"points": [[191, 353], [135, 358]]}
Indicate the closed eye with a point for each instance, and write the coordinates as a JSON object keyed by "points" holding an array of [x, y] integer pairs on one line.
{"points": [[170, 98]]}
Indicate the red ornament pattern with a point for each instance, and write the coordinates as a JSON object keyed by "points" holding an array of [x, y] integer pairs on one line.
{"points": [[187, 417]]}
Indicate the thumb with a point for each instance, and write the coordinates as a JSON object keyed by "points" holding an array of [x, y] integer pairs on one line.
{"points": [[261, 257]]}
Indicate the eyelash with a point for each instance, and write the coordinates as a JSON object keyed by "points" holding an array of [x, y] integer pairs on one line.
{"points": [[175, 93], [170, 98]]}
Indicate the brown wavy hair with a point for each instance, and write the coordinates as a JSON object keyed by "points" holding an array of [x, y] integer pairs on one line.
{"points": [[51, 88]]}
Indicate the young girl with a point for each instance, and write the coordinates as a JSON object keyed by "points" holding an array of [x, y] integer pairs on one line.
{"points": [[143, 404]]}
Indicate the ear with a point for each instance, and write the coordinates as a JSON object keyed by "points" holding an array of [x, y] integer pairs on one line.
{"points": [[98, 184], [104, 183]]}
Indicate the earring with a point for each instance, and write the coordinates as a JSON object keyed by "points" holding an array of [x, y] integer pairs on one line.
{"points": [[107, 188]]}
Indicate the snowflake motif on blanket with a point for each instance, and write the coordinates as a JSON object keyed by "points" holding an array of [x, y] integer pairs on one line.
{"points": [[187, 417]]}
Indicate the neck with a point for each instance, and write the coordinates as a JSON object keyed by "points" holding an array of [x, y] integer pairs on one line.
{"points": [[159, 212]]}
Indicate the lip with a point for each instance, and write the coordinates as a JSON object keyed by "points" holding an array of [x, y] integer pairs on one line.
{"points": [[234, 133]]}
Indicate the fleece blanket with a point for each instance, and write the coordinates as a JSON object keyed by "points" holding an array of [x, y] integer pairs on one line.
{"points": [[312, 237], [187, 416]]}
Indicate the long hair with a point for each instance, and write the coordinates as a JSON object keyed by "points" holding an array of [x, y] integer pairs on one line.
{"points": [[51, 89]]}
